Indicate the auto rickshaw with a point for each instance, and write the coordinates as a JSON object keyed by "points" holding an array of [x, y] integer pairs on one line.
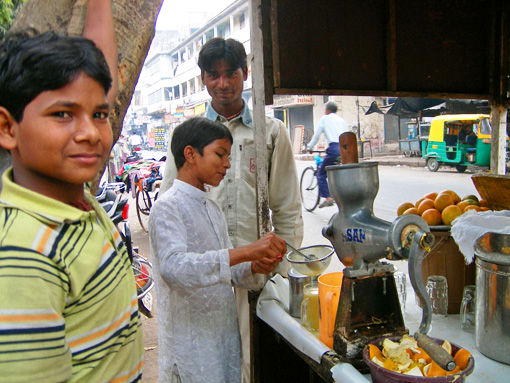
{"points": [[458, 140]]}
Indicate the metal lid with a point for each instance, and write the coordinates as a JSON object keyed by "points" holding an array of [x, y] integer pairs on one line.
{"points": [[494, 248]]}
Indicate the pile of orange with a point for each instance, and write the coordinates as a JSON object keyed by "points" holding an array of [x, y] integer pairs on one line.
{"points": [[421, 361], [442, 208]]}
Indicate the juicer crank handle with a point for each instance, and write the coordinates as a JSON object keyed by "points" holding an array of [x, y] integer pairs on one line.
{"points": [[436, 352], [416, 256], [348, 148]]}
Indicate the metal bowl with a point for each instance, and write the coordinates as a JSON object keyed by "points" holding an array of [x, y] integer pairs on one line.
{"points": [[316, 260]]}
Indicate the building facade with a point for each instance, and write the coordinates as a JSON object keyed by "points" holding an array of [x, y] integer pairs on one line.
{"points": [[170, 89]]}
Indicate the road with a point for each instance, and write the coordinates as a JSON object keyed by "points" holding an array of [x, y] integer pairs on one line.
{"points": [[397, 184]]}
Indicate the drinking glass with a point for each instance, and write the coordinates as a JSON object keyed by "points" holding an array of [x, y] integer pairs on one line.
{"points": [[400, 282], [310, 307], [468, 308], [437, 289]]}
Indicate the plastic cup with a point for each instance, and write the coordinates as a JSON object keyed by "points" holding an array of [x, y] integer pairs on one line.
{"points": [[329, 294]]}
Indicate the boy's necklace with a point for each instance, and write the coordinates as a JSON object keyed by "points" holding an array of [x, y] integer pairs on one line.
{"points": [[228, 118]]}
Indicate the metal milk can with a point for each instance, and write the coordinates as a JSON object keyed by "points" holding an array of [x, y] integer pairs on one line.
{"points": [[493, 296]]}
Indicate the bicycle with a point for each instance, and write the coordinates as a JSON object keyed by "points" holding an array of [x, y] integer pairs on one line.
{"points": [[309, 184], [145, 196]]}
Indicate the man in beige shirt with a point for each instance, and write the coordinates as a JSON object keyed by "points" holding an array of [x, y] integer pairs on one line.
{"points": [[224, 68]]}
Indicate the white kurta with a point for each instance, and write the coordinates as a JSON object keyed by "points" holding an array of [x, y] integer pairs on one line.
{"points": [[196, 309]]}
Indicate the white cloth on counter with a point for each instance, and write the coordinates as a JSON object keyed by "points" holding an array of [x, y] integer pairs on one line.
{"points": [[273, 307], [197, 315], [471, 225]]}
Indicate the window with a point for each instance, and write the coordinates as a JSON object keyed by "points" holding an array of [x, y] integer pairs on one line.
{"points": [[199, 82], [138, 97], [168, 94], [242, 21], [192, 86], [177, 94], [209, 35], [485, 126], [224, 29], [184, 87]]}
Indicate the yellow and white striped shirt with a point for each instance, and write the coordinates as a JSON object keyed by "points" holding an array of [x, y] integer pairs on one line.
{"points": [[68, 307]]}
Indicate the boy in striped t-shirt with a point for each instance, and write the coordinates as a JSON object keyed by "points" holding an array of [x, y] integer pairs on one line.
{"points": [[68, 307]]}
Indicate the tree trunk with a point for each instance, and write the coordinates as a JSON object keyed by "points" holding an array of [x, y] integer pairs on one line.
{"points": [[134, 27]]}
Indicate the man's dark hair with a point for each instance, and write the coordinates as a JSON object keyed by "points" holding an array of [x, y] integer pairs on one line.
{"points": [[230, 50], [198, 132], [31, 63], [332, 106]]}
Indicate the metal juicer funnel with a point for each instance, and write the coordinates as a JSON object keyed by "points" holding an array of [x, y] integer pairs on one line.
{"points": [[360, 238]]}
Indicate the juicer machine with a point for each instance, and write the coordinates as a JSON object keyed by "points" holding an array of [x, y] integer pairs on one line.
{"points": [[369, 307]]}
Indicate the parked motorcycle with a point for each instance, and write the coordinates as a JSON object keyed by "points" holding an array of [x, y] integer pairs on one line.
{"points": [[113, 198]]}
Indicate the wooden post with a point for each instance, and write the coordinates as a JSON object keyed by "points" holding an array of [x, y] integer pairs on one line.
{"points": [[498, 139], [259, 121]]}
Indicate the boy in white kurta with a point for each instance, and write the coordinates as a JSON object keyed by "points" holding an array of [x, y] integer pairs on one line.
{"points": [[195, 265]]}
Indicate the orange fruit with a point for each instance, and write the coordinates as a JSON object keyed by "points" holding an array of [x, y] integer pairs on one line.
{"points": [[418, 202], [390, 365], [431, 196], [454, 371], [449, 213], [425, 205], [462, 358], [433, 370], [412, 210], [403, 207], [472, 207], [432, 217], [472, 197], [455, 196], [373, 350], [421, 354], [443, 200], [483, 208], [447, 346], [464, 204]]}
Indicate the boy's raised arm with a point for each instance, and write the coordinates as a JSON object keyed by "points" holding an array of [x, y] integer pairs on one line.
{"points": [[100, 29]]}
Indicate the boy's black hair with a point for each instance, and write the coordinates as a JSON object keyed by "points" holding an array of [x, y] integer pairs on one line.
{"points": [[31, 63], [198, 132], [230, 50]]}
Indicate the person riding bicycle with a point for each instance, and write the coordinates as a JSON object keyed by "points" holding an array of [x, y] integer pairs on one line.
{"points": [[332, 126]]}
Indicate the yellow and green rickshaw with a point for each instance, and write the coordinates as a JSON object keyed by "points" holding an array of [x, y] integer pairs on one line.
{"points": [[458, 140]]}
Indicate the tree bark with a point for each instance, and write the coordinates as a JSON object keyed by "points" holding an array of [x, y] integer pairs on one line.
{"points": [[134, 30]]}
